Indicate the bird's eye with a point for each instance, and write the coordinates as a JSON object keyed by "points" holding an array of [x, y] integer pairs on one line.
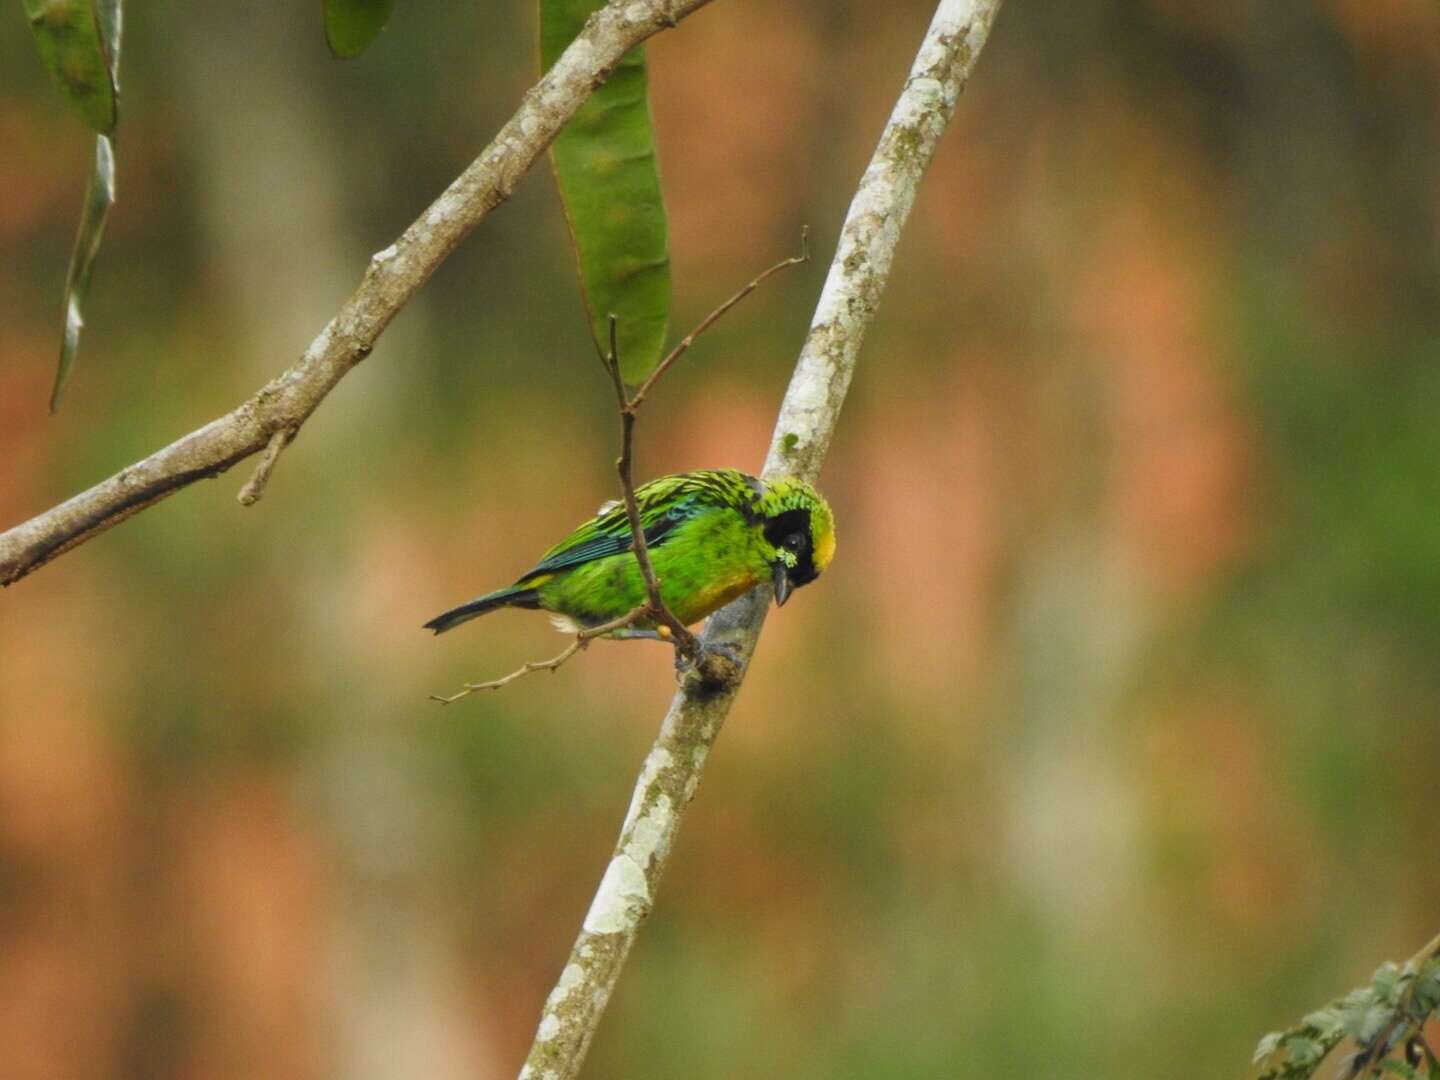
{"points": [[795, 541]]}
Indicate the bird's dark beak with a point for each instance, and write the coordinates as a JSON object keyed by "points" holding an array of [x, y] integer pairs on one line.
{"points": [[782, 584]]}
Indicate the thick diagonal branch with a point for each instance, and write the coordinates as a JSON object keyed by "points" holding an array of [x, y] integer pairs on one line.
{"points": [[847, 305], [393, 277]]}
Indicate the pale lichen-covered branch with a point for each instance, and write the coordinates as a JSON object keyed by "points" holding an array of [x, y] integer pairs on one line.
{"points": [[872, 228], [673, 767], [275, 413]]}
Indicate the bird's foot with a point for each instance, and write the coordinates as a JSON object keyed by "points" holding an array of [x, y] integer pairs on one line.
{"points": [[719, 664], [627, 633]]}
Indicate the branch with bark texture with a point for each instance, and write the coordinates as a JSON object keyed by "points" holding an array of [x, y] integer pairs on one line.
{"points": [[275, 413], [671, 773]]}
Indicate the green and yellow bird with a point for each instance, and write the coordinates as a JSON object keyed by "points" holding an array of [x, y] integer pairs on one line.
{"points": [[712, 535]]}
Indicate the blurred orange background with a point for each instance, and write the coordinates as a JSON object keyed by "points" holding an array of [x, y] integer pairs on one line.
{"points": [[1106, 745]]}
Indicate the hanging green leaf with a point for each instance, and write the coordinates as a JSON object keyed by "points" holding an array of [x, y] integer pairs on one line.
{"points": [[609, 181], [80, 54], [79, 41], [352, 25], [99, 198]]}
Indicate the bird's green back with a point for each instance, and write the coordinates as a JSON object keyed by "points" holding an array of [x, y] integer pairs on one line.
{"points": [[664, 504], [700, 530]]}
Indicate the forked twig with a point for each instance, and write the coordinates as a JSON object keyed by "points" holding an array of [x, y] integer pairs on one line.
{"points": [[713, 668], [582, 639], [714, 317], [686, 644]]}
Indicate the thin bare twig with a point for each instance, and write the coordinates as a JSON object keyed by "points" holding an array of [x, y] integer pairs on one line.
{"points": [[714, 316], [392, 279], [672, 770], [582, 639], [686, 644]]}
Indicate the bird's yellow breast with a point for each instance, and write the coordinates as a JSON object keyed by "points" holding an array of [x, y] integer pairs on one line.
{"points": [[714, 594]]}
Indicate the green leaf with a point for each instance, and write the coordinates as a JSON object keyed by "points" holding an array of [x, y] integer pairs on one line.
{"points": [[1325, 1023], [1398, 1068], [1386, 982], [1363, 1024], [609, 180], [1303, 1050], [1267, 1045], [352, 25], [99, 198], [79, 44], [1427, 988]]}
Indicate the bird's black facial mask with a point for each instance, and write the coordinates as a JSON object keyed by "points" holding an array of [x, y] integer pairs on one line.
{"points": [[790, 532]]}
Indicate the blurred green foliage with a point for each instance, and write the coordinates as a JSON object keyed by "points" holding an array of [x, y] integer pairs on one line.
{"points": [[1384, 1020], [351, 26]]}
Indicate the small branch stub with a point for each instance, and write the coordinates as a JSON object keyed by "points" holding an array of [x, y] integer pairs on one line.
{"points": [[250, 494]]}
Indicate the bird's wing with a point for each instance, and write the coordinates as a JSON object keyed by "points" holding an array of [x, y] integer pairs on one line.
{"points": [[664, 505]]}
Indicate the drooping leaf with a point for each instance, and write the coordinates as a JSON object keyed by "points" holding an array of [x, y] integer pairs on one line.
{"points": [[80, 44], [609, 180], [352, 25], [99, 198], [81, 52]]}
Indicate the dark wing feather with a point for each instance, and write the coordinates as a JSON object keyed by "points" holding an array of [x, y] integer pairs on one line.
{"points": [[605, 541], [664, 505]]}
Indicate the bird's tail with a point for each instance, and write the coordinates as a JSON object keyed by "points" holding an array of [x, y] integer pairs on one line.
{"points": [[515, 596]]}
